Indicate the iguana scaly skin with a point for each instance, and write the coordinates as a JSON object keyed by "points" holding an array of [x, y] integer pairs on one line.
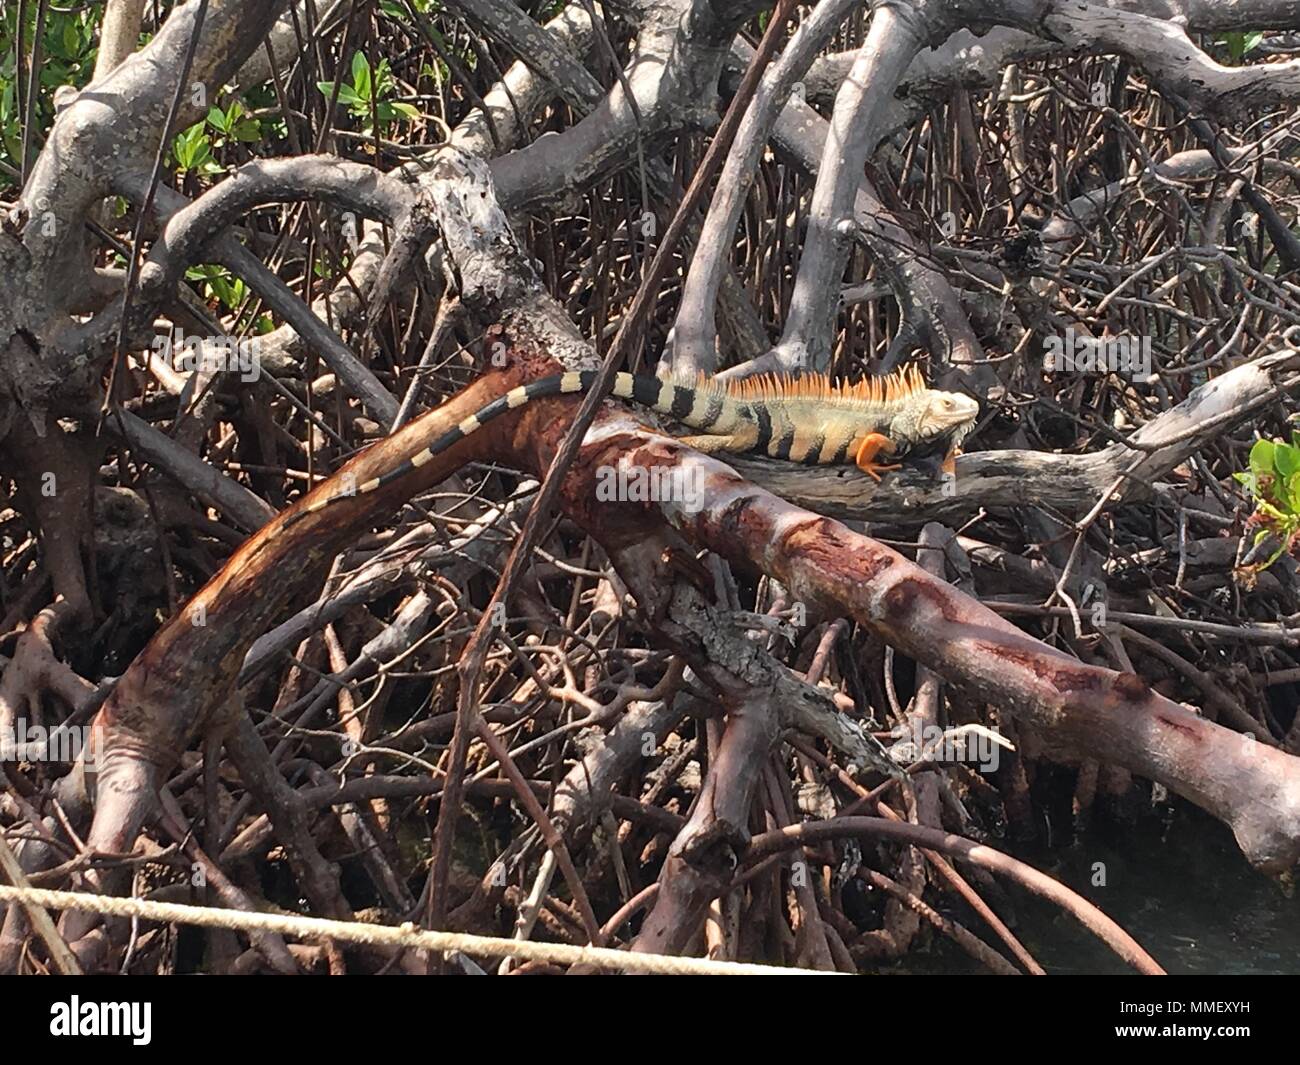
{"points": [[808, 419]]}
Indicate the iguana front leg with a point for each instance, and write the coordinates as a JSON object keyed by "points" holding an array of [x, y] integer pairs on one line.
{"points": [[872, 445]]}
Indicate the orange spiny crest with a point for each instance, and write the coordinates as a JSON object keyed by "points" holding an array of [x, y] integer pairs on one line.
{"points": [[889, 388]]}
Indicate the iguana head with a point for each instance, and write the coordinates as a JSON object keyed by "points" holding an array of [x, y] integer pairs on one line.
{"points": [[934, 421]]}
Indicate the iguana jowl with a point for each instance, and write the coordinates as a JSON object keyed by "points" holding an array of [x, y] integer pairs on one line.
{"points": [[808, 419]]}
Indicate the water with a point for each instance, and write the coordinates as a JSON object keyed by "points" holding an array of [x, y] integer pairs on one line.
{"points": [[1180, 887]]}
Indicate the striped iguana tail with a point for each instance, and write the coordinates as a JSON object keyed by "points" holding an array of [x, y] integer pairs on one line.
{"points": [[807, 419]]}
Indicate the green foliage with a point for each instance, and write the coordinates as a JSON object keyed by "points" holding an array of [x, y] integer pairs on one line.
{"points": [[219, 285], [1240, 45], [10, 124], [194, 149], [69, 50], [234, 124], [1273, 481], [327, 267], [68, 58], [366, 96], [398, 12], [548, 9]]}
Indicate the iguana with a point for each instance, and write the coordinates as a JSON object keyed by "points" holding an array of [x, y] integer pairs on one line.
{"points": [[808, 419]]}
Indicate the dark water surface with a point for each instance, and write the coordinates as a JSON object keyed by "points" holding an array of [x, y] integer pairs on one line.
{"points": [[1181, 888]]}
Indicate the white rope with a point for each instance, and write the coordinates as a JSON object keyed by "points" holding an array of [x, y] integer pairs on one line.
{"points": [[406, 935]]}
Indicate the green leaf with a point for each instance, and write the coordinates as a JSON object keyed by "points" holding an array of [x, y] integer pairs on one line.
{"points": [[1286, 459], [247, 129], [1261, 457], [224, 291], [1241, 45], [191, 149], [71, 40], [1236, 43], [361, 80]]}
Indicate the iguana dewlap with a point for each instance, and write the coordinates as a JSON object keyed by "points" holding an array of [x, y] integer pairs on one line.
{"points": [[808, 419]]}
